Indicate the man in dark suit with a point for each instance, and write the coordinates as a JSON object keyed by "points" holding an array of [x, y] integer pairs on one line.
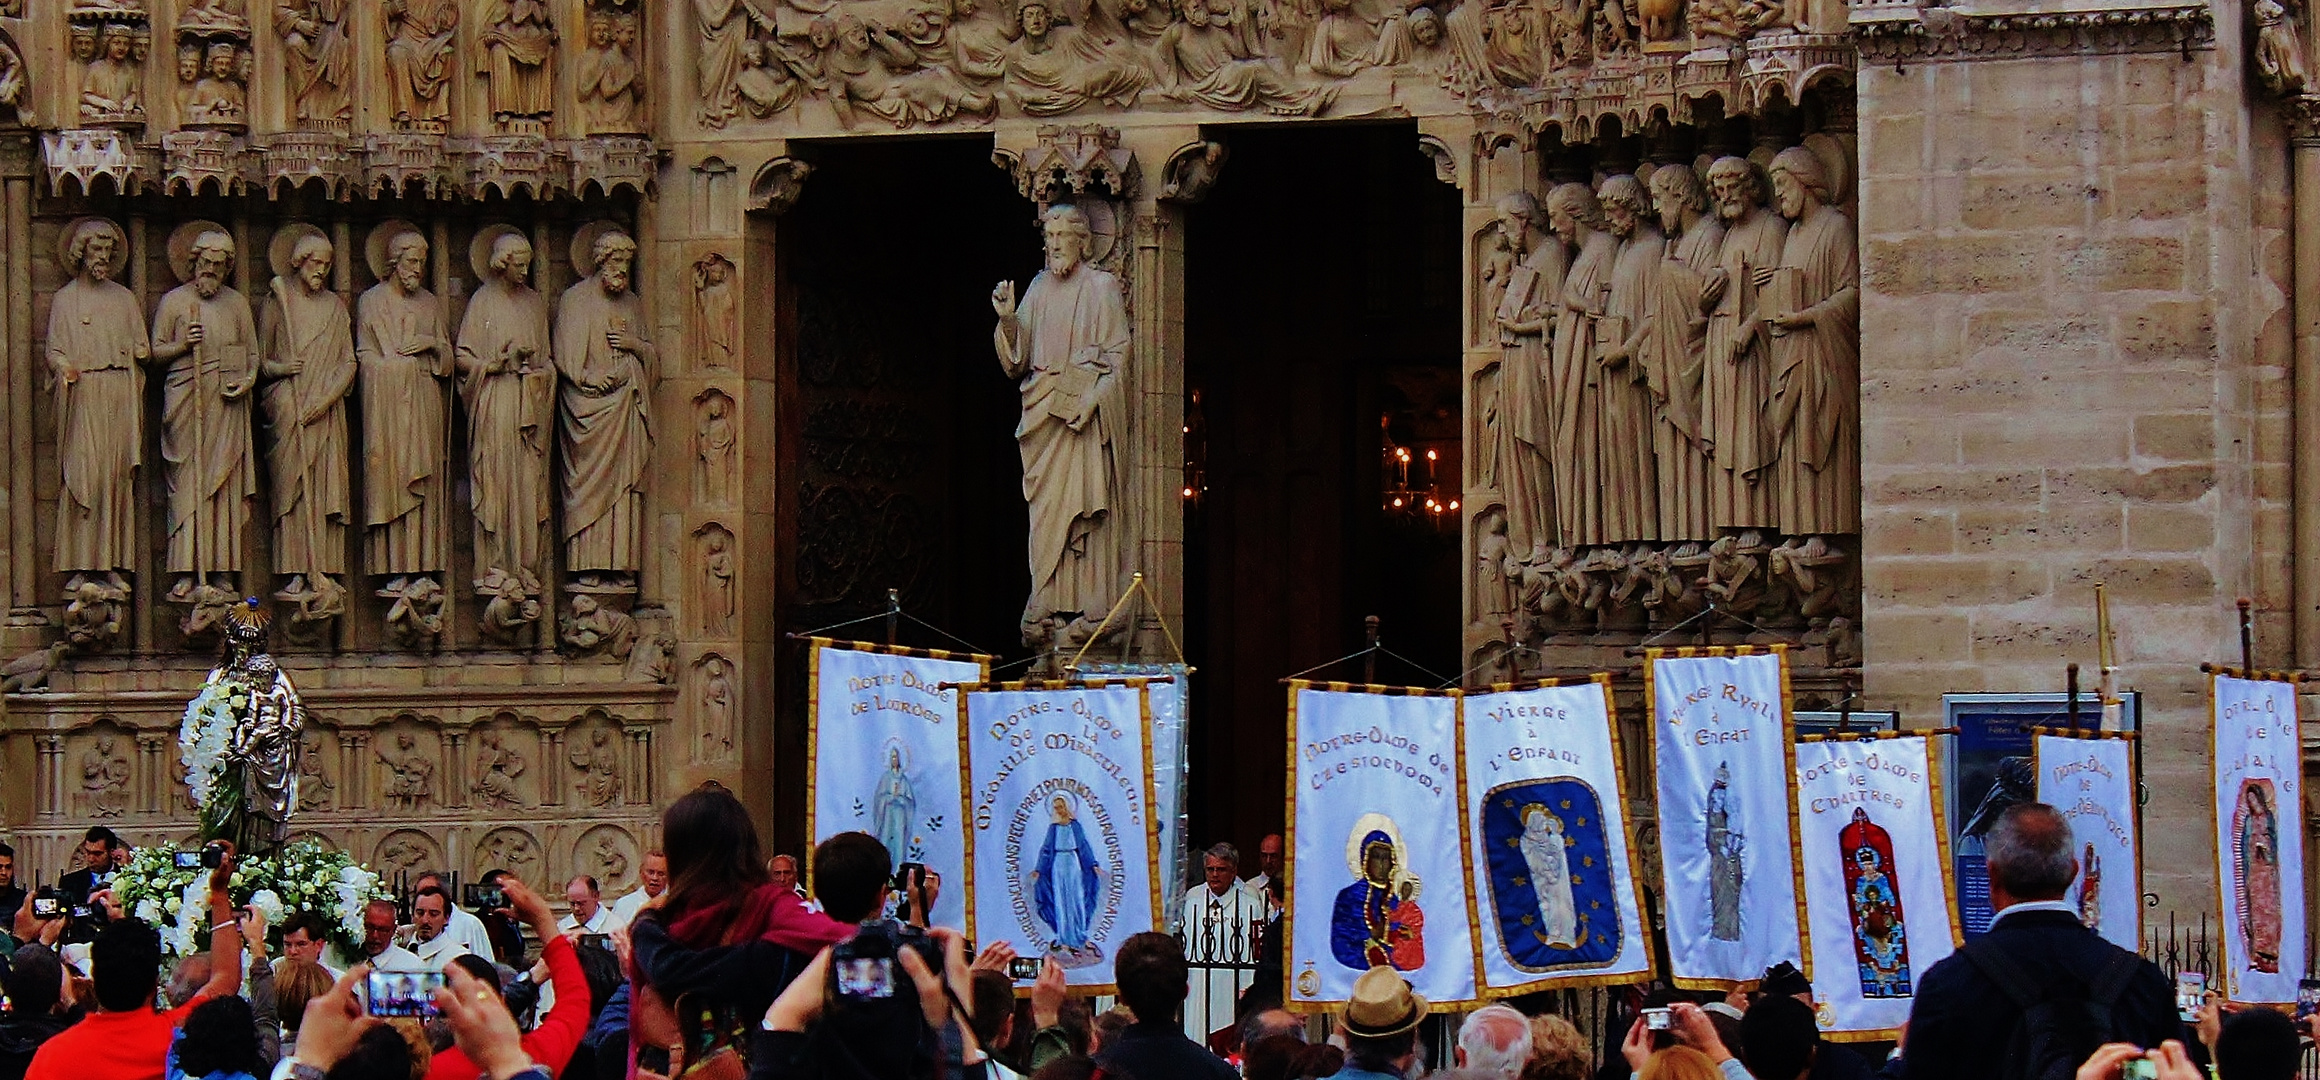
{"points": [[2038, 969], [101, 853]]}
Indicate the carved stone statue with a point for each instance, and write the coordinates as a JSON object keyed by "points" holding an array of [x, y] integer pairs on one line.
{"points": [[419, 42], [879, 71], [598, 763], [221, 96], [1066, 346], [769, 81], [496, 769], [604, 405], [1213, 59], [519, 41], [611, 87], [112, 89], [1522, 426], [406, 357], [415, 616], [231, 15], [716, 313], [595, 630], [315, 787], [1674, 358], [1576, 371], [715, 442], [411, 774], [314, 34], [510, 604], [1623, 335], [650, 661], [1736, 371], [725, 27], [507, 381], [716, 581], [105, 778], [205, 333], [1055, 69], [96, 342], [716, 711], [1813, 312], [2279, 48], [307, 344], [93, 610]]}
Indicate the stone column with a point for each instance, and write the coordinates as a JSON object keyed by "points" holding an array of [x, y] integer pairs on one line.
{"points": [[552, 769], [49, 776], [23, 573], [354, 770], [455, 771], [2303, 114], [637, 764], [152, 772], [1485, 165]]}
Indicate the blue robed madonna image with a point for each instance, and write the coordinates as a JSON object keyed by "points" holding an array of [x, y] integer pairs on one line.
{"points": [[1548, 866], [1066, 882]]}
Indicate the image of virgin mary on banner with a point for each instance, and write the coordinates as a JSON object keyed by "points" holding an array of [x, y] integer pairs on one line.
{"points": [[1377, 869], [2258, 766], [1724, 772], [1875, 878], [2090, 777], [883, 740], [1550, 847]]}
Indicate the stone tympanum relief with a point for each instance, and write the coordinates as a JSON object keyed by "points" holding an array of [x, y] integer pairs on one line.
{"points": [[507, 383], [595, 760], [409, 770], [96, 350], [204, 332], [306, 342], [315, 37], [106, 42], [610, 82], [420, 35], [498, 768], [1066, 344], [405, 354], [1672, 421]]}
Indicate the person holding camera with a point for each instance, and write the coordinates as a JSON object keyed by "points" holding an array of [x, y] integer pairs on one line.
{"points": [[126, 1039], [868, 1008], [338, 1039], [551, 1043]]}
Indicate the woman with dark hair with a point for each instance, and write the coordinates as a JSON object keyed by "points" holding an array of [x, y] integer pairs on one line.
{"points": [[723, 936], [219, 1042]]}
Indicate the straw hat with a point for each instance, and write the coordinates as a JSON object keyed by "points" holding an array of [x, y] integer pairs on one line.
{"points": [[1382, 1005]]}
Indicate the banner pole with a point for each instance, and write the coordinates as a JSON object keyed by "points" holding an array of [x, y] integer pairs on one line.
{"points": [[2247, 636], [893, 615], [2070, 676], [1369, 656]]}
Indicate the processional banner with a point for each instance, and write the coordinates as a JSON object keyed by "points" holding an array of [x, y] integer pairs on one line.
{"points": [[1170, 700], [1560, 902], [2259, 836], [1377, 869], [2090, 777], [883, 738], [1873, 857], [1726, 774], [1061, 843]]}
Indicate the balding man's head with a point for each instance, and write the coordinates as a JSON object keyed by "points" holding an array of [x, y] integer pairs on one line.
{"points": [[2029, 853]]}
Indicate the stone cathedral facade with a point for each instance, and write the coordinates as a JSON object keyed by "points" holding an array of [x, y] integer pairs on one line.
{"points": [[516, 355]]}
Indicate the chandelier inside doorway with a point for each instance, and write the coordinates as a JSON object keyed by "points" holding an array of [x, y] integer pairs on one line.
{"points": [[1410, 479]]}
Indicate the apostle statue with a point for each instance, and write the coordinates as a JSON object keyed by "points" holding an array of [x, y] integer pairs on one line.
{"points": [[507, 382], [1674, 359], [96, 340], [1066, 346], [307, 344], [314, 33], [1576, 372], [604, 409], [404, 351], [520, 45], [1736, 374], [1814, 316], [1623, 334], [205, 333], [1521, 432]]}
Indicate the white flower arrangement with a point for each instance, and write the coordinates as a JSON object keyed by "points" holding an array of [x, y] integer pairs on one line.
{"points": [[205, 734], [302, 876]]}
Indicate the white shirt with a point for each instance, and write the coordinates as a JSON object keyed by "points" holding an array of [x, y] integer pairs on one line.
{"points": [[604, 923], [1223, 928], [433, 955], [2063, 906], [467, 929], [398, 958], [625, 908]]}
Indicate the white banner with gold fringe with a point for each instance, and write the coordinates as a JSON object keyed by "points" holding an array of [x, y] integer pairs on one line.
{"points": [[2090, 777], [2259, 844]]}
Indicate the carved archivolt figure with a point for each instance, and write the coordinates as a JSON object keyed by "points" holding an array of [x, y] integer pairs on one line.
{"points": [[1813, 312], [507, 381], [520, 42], [205, 332], [112, 90], [716, 581], [604, 404], [307, 343], [419, 58], [715, 442], [405, 354], [321, 56], [716, 710], [96, 342], [1066, 346], [611, 89]]}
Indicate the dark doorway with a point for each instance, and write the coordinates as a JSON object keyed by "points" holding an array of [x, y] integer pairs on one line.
{"points": [[896, 435], [1322, 333]]}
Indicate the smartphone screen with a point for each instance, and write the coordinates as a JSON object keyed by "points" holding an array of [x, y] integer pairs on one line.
{"points": [[403, 993], [866, 977], [2307, 997], [2190, 994], [1024, 967], [47, 907], [188, 860]]}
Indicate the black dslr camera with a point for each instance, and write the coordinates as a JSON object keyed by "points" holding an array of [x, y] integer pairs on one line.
{"points": [[873, 1025], [867, 966]]}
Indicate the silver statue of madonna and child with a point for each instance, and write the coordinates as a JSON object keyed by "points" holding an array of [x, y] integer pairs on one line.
{"points": [[256, 785]]}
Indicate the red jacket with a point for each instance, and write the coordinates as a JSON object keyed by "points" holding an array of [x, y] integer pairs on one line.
{"points": [[551, 1044]]}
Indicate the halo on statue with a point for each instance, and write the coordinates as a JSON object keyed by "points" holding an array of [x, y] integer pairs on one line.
{"points": [[72, 233], [1103, 227], [181, 246], [1836, 164], [584, 244], [479, 249], [377, 244], [283, 248]]}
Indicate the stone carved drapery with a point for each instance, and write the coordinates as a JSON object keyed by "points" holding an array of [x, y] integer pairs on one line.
{"points": [[519, 64], [205, 333], [506, 382], [610, 80], [419, 44], [306, 340], [604, 407], [97, 348], [321, 60], [405, 354]]}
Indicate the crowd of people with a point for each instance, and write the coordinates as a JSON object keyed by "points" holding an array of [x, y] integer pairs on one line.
{"points": [[721, 967]]}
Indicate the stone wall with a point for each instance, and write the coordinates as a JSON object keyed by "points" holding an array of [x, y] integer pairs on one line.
{"points": [[2074, 372]]}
